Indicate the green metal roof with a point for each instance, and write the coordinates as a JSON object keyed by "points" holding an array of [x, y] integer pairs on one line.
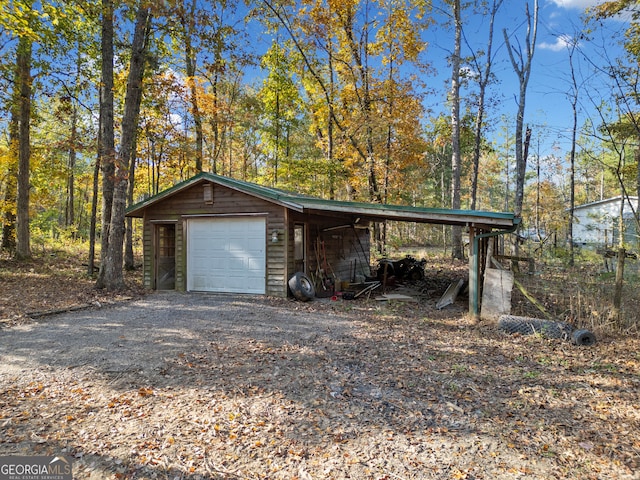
{"points": [[364, 211]]}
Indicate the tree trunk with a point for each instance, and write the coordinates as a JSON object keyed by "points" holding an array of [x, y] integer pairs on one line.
{"points": [[215, 123], [106, 147], [188, 20], [538, 205], [11, 186], [129, 262], [113, 276], [572, 156], [276, 155], [71, 166], [456, 161], [483, 82], [23, 246], [636, 155], [522, 67], [94, 214], [330, 116], [617, 294]]}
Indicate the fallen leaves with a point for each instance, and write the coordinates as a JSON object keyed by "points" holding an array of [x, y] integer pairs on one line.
{"points": [[374, 391], [52, 282]]}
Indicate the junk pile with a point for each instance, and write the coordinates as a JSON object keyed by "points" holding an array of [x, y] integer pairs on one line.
{"points": [[407, 268]]}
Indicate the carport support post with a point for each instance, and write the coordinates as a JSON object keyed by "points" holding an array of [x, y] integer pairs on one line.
{"points": [[473, 274]]}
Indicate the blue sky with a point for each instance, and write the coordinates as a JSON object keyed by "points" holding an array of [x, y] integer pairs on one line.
{"points": [[548, 106]]}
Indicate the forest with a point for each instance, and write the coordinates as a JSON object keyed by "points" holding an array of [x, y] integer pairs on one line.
{"points": [[105, 103], [521, 106]]}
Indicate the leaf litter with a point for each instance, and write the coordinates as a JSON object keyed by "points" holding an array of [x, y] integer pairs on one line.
{"points": [[259, 388]]}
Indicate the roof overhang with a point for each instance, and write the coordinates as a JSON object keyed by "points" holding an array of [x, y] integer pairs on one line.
{"points": [[380, 212], [353, 211], [258, 191]]}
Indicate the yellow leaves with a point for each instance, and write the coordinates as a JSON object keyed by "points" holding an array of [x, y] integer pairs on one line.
{"points": [[37, 388], [459, 475], [612, 8], [145, 392], [121, 400]]}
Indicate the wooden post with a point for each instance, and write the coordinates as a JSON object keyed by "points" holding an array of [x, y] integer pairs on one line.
{"points": [[473, 274]]}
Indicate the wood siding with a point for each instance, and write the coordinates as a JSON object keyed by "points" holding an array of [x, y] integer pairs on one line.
{"points": [[191, 202]]}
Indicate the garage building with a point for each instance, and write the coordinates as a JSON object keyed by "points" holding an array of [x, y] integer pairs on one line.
{"points": [[217, 234]]}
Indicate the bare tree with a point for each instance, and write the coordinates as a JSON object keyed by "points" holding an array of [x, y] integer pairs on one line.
{"points": [[484, 77], [188, 21], [456, 161], [572, 156], [521, 62]]}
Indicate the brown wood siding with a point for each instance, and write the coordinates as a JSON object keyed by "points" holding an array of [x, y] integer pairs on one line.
{"points": [[147, 254], [276, 255], [225, 202], [181, 258], [289, 254]]}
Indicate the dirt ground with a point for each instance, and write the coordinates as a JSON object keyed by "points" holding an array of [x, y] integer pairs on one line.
{"points": [[195, 386]]}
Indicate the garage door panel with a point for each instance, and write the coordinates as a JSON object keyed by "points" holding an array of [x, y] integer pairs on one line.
{"points": [[227, 255], [254, 266]]}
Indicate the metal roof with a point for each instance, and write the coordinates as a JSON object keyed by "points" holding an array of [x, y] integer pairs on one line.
{"points": [[355, 210], [627, 199]]}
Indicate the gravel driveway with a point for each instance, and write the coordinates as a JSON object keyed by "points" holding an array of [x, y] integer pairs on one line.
{"points": [[195, 386], [134, 340]]}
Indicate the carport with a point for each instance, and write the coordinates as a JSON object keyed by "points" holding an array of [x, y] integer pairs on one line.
{"points": [[482, 227]]}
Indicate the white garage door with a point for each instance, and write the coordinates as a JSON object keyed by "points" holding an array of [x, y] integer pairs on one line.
{"points": [[226, 255]]}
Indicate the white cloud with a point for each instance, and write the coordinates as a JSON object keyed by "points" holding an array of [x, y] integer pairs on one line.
{"points": [[578, 4], [561, 43]]}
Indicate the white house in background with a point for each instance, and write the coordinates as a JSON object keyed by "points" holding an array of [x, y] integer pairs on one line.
{"points": [[597, 223]]}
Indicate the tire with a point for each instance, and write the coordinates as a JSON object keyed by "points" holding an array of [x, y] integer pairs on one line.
{"points": [[583, 338], [301, 287]]}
